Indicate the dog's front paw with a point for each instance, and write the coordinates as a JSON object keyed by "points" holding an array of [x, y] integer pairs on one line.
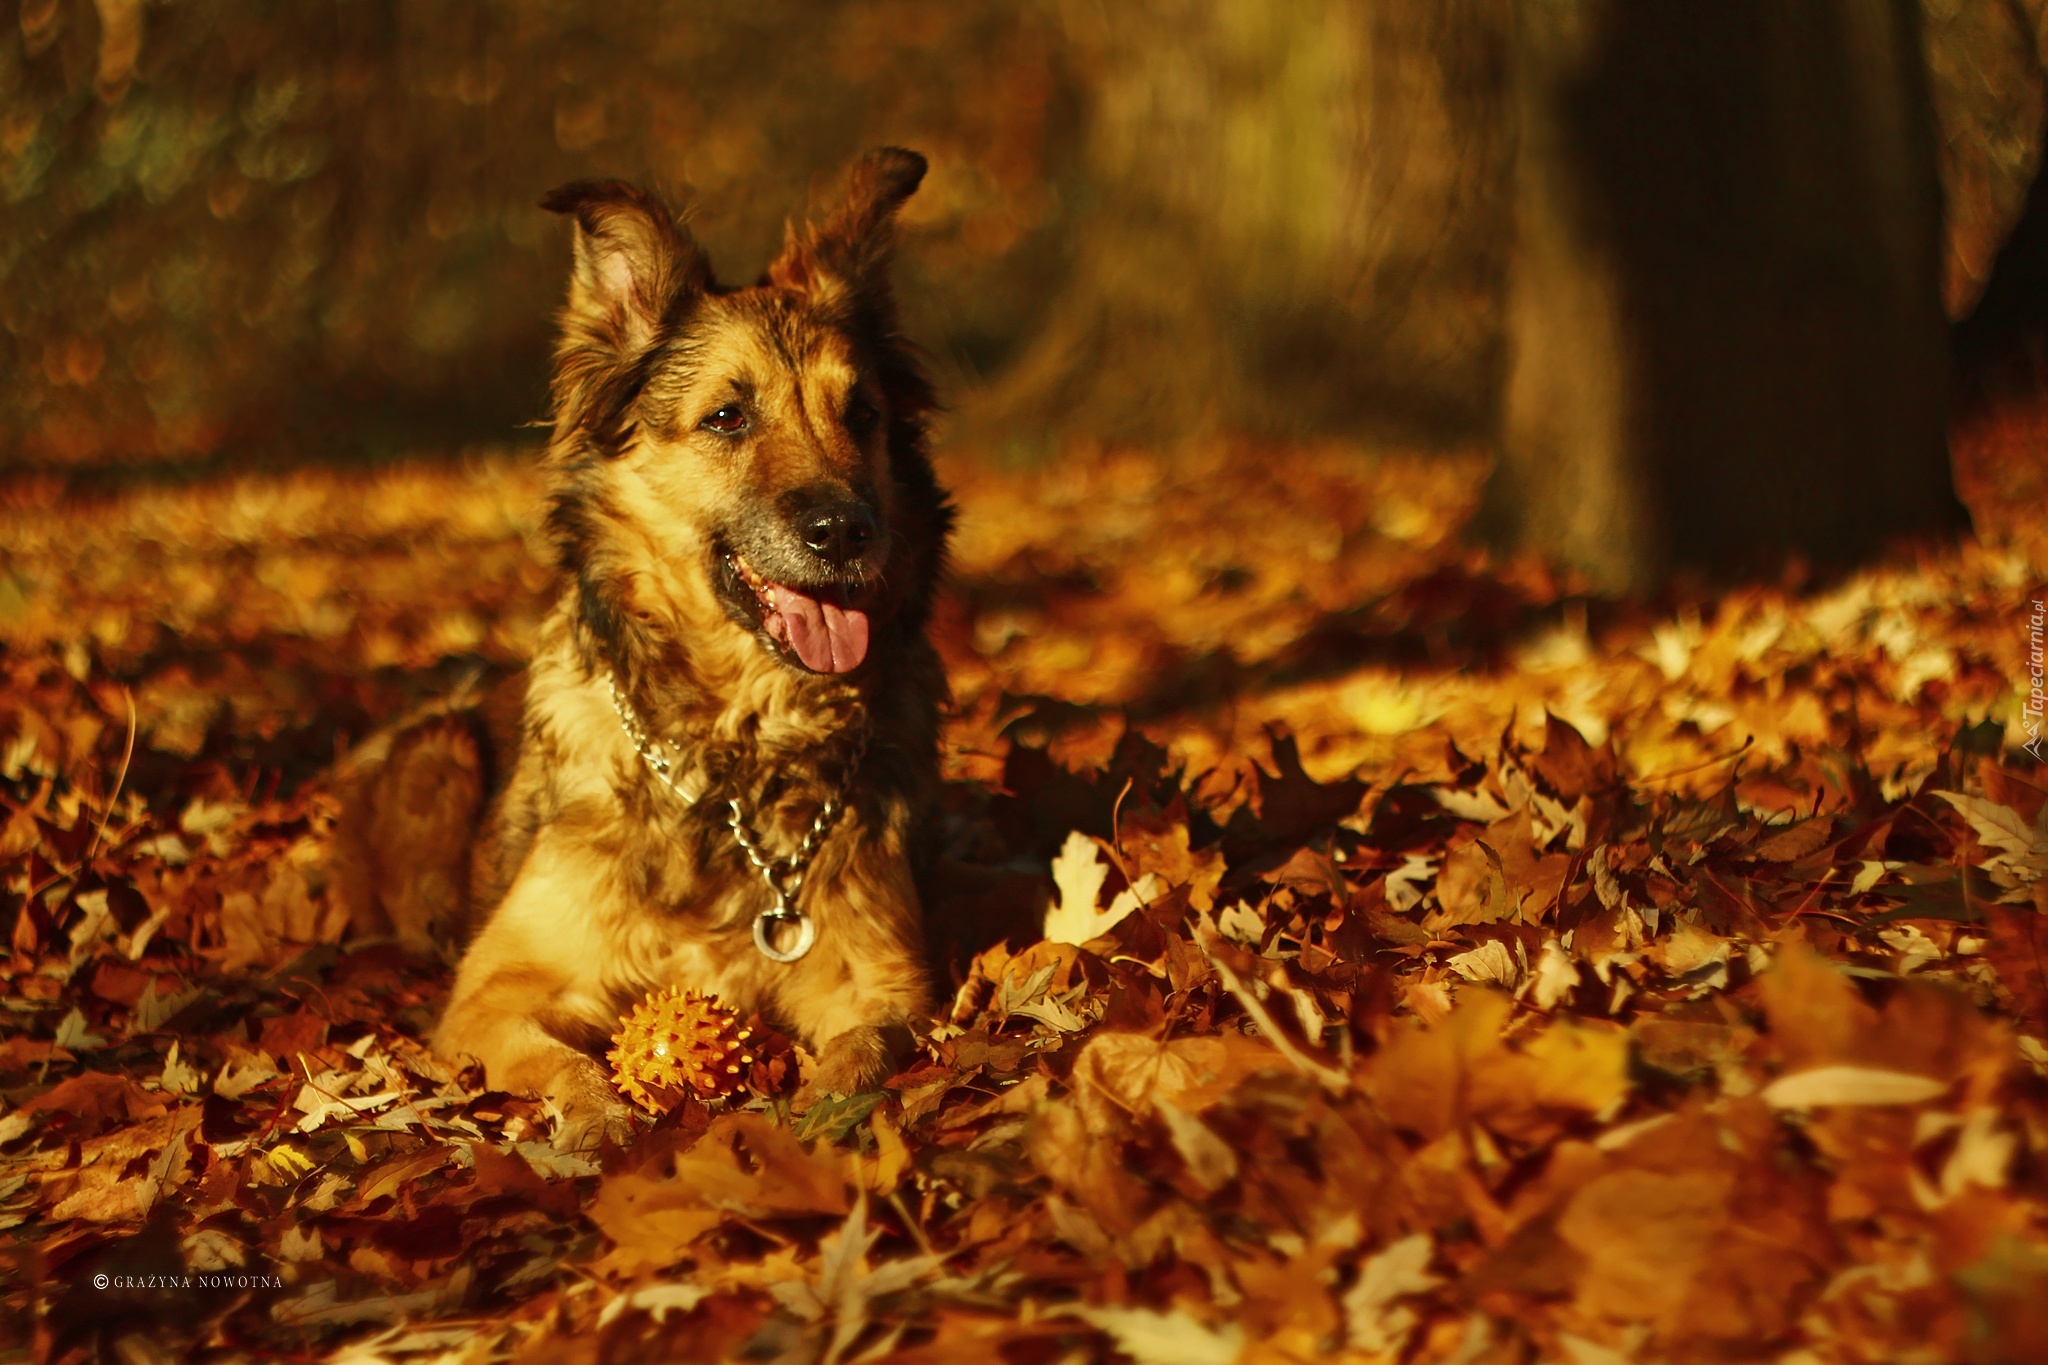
{"points": [[591, 1110], [584, 1133], [858, 1059]]}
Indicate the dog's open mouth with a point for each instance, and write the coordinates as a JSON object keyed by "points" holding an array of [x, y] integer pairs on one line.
{"points": [[823, 625]]}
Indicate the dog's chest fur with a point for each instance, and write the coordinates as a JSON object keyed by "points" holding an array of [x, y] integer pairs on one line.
{"points": [[664, 891]]}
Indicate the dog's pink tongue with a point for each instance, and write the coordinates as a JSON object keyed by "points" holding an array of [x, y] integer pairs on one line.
{"points": [[829, 638]]}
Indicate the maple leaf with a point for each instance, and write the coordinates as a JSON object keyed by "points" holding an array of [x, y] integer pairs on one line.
{"points": [[1490, 963], [1430, 1079], [1080, 871], [177, 1078], [2020, 849], [1029, 999], [1164, 1338], [843, 1294], [655, 1300]]}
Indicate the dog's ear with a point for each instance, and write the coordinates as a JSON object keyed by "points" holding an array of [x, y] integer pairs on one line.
{"points": [[845, 260], [634, 265]]}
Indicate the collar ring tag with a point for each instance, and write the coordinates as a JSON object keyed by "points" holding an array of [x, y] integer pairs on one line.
{"points": [[765, 924]]}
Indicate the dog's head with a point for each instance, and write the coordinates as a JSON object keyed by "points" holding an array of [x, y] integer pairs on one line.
{"points": [[743, 458]]}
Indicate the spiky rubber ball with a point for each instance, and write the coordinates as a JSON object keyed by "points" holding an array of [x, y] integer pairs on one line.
{"points": [[677, 1043]]}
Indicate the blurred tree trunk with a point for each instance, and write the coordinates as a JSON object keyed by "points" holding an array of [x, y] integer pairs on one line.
{"points": [[1286, 219], [1686, 262], [1725, 310], [1985, 63]]}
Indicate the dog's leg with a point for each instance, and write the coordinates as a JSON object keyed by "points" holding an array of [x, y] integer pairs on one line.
{"points": [[856, 1059], [410, 802], [520, 1054], [528, 992], [856, 1004]]}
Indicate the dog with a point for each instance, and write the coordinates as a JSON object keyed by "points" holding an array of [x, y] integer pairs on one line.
{"points": [[728, 756]]}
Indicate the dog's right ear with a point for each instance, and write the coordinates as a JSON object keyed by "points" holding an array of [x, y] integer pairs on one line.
{"points": [[845, 260], [634, 266]]}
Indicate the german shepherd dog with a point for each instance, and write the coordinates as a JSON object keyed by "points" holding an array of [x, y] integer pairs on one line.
{"points": [[729, 743]]}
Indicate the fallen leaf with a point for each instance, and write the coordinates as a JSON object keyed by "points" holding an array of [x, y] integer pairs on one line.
{"points": [[1373, 1321], [1169, 1338], [1829, 1085]]}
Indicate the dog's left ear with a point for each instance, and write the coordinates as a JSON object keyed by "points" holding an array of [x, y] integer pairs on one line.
{"points": [[844, 262], [633, 264]]}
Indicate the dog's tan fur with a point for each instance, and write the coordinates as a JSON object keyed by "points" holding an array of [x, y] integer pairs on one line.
{"points": [[600, 883]]}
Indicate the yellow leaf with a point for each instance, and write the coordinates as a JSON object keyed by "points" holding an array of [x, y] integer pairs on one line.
{"points": [[1829, 1085], [1578, 1066], [892, 1154], [289, 1162], [1079, 872], [1172, 1338], [1645, 1236], [652, 1222]]}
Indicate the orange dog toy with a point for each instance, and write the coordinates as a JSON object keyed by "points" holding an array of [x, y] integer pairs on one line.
{"points": [[677, 1043]]}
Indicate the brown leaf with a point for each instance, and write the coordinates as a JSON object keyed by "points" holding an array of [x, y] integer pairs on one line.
{"points": [[1121, 1074], [119, 983], [399, 1173], [747, 1165], [1086, 1164], [1287, 806], [1794, 842], [1645, 1236], [1569, 766], [1431, 1079], [651, 1221], [1157, 842], [286, 1037], [97, 1099]]}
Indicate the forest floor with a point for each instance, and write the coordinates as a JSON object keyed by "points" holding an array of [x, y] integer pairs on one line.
{"points": [[1453, 969]]}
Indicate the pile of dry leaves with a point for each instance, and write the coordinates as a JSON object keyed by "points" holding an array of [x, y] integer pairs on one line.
{"points": [[1437, 968]]}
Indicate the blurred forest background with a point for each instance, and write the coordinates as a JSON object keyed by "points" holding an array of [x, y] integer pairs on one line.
{"points": [[246, 234]]}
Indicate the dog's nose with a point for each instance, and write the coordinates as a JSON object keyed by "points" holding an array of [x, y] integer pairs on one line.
{"points": [[838, 531]]}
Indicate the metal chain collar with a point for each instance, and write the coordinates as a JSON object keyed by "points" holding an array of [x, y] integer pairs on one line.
{"points": [[784, 877], [658, 763]]}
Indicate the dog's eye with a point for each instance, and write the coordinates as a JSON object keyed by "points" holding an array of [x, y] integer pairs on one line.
{"points": [[861, 416], [729, 420]]}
